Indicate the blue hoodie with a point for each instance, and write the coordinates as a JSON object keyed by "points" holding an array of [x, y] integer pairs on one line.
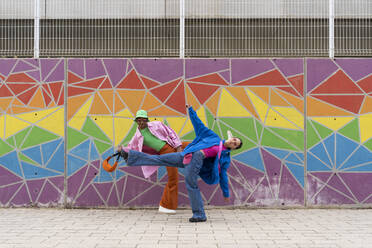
{"points": [[206, 138]]}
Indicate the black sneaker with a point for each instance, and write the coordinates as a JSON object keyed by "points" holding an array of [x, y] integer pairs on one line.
{"points": [[192, 219], [124, 154]]}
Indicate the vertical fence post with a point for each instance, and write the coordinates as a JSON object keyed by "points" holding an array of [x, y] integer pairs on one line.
{"points": [[331, 29], [36, 28], [182, 29]]}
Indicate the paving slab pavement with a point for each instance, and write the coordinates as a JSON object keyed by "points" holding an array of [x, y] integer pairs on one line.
{"points": [[225, 228]]}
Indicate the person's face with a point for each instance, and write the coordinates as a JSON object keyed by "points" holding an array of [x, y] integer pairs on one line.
{"points": [[141, 122], [232, 143]]}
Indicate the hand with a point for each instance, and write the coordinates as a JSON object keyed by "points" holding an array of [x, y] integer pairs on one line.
{"points": [[119, 148], [227, 199], [188, 106]]}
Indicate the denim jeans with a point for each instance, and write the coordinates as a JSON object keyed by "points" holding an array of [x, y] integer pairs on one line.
{"points": [[176, 160]]}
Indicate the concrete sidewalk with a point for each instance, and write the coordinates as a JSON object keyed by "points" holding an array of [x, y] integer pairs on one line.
{"points": [[72, 228]]}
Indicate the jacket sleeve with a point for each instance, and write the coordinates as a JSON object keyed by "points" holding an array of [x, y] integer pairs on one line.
{"points": [[132, 143], [172, 135], [224, 183], [198, 125]]}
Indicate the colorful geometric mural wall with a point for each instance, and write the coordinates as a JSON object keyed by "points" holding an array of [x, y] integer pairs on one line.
{"points": [[260, 100]]}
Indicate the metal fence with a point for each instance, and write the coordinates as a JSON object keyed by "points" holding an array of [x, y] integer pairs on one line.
{"points": [[190, 28]]}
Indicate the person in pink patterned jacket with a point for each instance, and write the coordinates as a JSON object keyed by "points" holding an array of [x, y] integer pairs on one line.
{"points": [[156, 138]]}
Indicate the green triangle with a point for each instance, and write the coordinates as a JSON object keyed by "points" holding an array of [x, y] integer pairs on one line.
{"points": [[26, 159], [19, 137], [189, 137], [259, 128], [166, 122], [4, 147], [312, 137], [129, 135], [351, 130], [272, 140], [210, 118], [217, 130], [243, 125], [74, 138], [322, 130], [368, 144], [93, 130], [38, 136], [101, 146], [294, 137], [11, 141]]}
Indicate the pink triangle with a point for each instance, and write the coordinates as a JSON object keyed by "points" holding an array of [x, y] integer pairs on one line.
{"points": [[34, 187], [50, 194]]}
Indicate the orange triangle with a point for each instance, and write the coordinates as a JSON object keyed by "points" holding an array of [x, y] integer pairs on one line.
{"points": [[339, 83], [214, 78], [131, 81], [72, 78], [296, 102], [5, 102], [290, 90], [276, 100], [150, 102], [213, 101], [74, 104], [298, 83], [191, 99], [98, 106], [37, 100], [271, 78], [241, 95], [108, 97], [132, 98], [367, 105], [262, 92], [149, 83], [119, 105], [17, 102], [19, 110], [318, 108], [163, 111]]}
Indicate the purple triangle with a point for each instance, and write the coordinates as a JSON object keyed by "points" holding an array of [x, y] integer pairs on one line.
{"points": [[149, 198], [129, 67], [58, 182], [76, 66], [133, 170], [290, 67], [47, 65], [89, 198], [58, 74], [251, 176], [74, 182], [7, 193], [290, 191], [120, 186], [359, 183], [323, 176], [313, 186], [218, 199], [206, 189], [160, 70], [103, 189], [225, 75], [35, 75], [135, 186], [327, 196], [200, 67], [356, 68], [7, 177], [113, 201], [34, 187], [242, 69], [34, 62], [21, 198], [318, 70], [22, 66], [243, 192], [368, 201], [262, 196], [96, 164], [92, 173], [116, 69], [272, 167], [50, 194], [336, 183], [6, 65], [94, 68]]}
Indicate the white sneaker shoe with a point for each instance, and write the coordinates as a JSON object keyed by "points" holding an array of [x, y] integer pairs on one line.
{"points": [[166, 210]]}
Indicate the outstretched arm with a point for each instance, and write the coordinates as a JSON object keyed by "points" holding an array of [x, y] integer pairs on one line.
{"points": [[198, 125]]}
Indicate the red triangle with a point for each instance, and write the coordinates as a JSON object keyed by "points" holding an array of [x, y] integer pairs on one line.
{"points": [[61, 100], [214, 78], [339, 83], [298, 83], [271, 78], [165, 90], [94, 83], [366, 84], [351, 103], [1, 77], [56, 90], [72, 78], [26, 96], [106, 84], [290, 90], [4, 91], [131, 81], [149, 83], [202, 91], [177, 99], [47, 98], [18, 88], [46, 88], [73, 91], [20, 77]]}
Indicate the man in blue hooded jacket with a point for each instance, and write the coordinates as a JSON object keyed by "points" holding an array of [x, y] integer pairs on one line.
{"points": [[207, 156]]}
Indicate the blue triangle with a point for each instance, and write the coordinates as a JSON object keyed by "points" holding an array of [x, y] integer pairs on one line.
{"points": [[34, 153], [94, 155], [298, 172], [251, 158], [82, 150], [320, 152], [161, 172], [58, 160], [49, 148], [301, 156], [11, 162], [119, 174], [74, 164], [344, 147], [32, 172], [314, 164], [330, 146], [361, 156], [104, 176], [364, 168], [293, 158], [277, 152]]}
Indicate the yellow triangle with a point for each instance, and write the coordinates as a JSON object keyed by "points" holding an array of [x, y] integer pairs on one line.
{"points": [[2, 125], [122, 127], [55, 122], [230, 107], [292, 114], [77, 121], [161, 119], [187, 128], [260, 106], [36, 116], [274, 119], [105, 122], [125, 113], [201, 114], [365, 122], [176, 123], [333, 123], [13, 125]]}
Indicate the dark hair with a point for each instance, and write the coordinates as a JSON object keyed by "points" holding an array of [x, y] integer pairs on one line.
{"points": [[240, 145]]}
